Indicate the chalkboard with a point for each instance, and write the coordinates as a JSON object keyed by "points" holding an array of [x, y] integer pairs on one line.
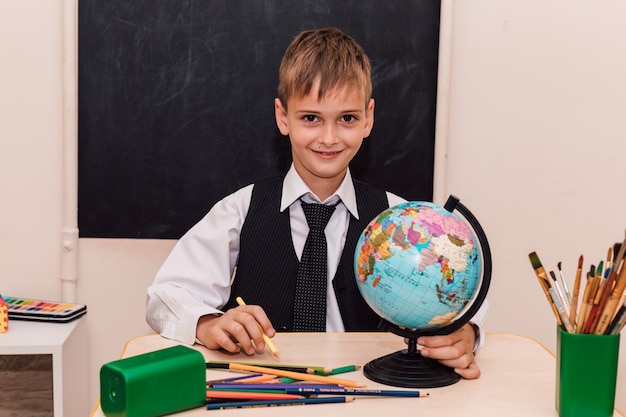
{"points": [[176, 103]]}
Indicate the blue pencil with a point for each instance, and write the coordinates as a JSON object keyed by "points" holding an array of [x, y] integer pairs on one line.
{"points": [[233, 379], [276, 403], [349, 391]]}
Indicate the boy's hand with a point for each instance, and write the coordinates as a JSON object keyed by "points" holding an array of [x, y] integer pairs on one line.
{"points": [[236, 330], [454, 350]]}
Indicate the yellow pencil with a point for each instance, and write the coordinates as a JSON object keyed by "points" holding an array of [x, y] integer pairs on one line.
{"points": [[296, 375], [266, 338]]}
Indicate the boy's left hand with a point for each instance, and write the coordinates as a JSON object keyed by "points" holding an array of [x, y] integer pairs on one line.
{"points": [[454, 350]]}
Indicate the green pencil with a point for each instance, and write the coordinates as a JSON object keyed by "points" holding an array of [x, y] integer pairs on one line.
{"points": [[341, 370]]}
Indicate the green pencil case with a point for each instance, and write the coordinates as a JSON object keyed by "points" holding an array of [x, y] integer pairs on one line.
{"points": [[153, 384]]}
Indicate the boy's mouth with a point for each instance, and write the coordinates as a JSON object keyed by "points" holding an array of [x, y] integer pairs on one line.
{"points": [[328, 153]]}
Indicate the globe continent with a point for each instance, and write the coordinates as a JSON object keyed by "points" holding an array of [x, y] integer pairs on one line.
{"points": [[417, 265]]}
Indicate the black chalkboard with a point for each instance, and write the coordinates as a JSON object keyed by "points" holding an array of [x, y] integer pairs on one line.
{"points": [[176, 103]]}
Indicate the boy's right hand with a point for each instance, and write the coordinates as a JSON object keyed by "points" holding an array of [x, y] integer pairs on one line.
{"points": [[237, 330]]}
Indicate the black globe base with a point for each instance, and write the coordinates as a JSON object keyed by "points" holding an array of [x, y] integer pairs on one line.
{"points": [[409, 369]]}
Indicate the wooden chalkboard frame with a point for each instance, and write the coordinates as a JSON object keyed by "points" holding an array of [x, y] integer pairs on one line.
{"points": [[176, 103]]}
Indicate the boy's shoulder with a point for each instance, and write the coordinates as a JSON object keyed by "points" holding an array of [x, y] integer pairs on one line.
{"points": [[365, 187]]}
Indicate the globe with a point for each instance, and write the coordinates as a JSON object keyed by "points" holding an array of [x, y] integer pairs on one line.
{"points": [[425, 270], [417, 265]]}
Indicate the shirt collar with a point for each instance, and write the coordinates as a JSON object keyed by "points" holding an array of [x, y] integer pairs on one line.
{"points": [[294, 188]]}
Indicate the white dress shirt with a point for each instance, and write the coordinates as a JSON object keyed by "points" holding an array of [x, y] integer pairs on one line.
{"points": [[195, 278]]}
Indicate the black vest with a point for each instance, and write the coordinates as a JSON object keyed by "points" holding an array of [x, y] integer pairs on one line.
{"points": [[267, 265]]}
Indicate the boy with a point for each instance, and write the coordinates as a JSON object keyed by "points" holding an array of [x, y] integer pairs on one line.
{"points": [[325, 106]]}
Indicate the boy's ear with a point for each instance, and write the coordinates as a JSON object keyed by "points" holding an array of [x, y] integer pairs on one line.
{"points": [[281, 117], [369, 118]]}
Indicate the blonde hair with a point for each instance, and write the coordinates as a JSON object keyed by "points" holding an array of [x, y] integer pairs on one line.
{"points": [[326, 55]]}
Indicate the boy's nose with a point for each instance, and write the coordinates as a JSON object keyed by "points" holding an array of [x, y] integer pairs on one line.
{"points": [[329, 136]]}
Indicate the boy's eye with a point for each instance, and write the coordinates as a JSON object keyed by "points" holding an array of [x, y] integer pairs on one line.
{"points": [[310, 118], [348, 118]]}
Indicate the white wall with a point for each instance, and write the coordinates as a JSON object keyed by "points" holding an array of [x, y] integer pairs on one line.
{"points": [[534, 145], [30, 151]]}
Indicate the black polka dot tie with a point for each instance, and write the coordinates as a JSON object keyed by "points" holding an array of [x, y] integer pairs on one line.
{"points": [[310, 300]]}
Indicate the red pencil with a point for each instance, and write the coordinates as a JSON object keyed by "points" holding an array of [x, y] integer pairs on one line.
{"points": [[248, 395]]}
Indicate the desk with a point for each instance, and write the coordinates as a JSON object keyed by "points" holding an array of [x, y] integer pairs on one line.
{"points": [[67, 344], [518, 376]]}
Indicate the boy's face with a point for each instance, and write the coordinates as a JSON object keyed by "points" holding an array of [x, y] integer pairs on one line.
{"points": [[325, 134]]}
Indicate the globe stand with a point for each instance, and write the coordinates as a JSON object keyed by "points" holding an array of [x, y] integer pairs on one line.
{"points": [[408, 368]]}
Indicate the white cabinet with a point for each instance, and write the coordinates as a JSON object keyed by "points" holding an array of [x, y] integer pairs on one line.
{"points": [[67, 343]]}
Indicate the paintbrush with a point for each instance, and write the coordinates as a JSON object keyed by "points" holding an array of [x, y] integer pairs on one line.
{"points": [[584, 310], [559, 293], [607, 292], [568, 295], [594, 299], [609, 301], [544, 282], [574, 303]]}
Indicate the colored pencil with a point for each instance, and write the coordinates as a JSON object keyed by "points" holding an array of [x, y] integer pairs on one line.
{"points": [[297, 375], [287, 367], [349, 391], [340, 370], [265, 378], [225, 365], [268, 341], [233, 379], [278, 403], [250, 395], [273, 387]]}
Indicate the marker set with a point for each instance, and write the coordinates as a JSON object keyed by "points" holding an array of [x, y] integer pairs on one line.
{"points": [[40, 310]]}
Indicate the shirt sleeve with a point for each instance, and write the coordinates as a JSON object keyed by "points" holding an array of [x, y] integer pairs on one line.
{"points": [[394, 200], [479, 320], [194, 280]]}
